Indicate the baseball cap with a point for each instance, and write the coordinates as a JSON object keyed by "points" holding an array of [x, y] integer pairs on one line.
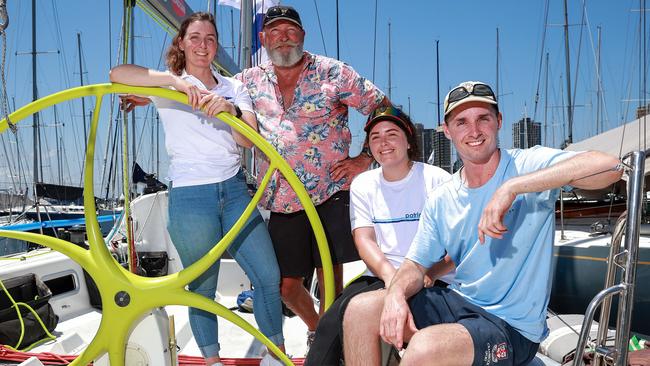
{"points": [[469, 91], [282, 12], [392, 114]]}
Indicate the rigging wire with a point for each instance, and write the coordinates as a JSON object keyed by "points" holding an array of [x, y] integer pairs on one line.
{"points": [[149, 108], [115, 162], [111, 103], [21, 158], [599, 80], [4, 16], [111, 180], [9, 166], [628, 54], [4, 98], [575, 81], [140, 142], [128, 22], [541, 58], [322, 35], [4, 102], [65, 76], [629, 92]]}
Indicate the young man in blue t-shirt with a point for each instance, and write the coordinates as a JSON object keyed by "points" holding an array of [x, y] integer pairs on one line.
{"points": [[495, 219]]}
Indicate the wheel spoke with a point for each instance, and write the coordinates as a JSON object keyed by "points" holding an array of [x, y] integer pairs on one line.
{"points": [[148, 293]]}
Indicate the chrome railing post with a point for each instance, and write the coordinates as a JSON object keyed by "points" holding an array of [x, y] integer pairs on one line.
{"points": [[635, 196], [618, 355]]}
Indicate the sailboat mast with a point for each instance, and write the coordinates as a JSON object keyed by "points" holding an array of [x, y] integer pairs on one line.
{"points": [[232, 34], [37, 135], [246, 22], [390, 86], [374, 47], [83, 100], [568, 73], [642, 50], [598, 95], [127, 29], [438, 81], [338, 55], [546, 106], [157, 145], [35, 116], [409, 101], [59, 144], [132, 50], [497, 71]]}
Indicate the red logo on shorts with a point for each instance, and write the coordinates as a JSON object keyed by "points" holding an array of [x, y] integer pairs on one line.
{"points": [[500, 352]]}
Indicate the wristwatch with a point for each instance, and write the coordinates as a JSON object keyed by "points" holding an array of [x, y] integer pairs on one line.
{"points": [[237, 111]]}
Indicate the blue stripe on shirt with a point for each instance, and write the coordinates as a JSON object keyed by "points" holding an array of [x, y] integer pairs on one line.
{"points": [[392, 221]]}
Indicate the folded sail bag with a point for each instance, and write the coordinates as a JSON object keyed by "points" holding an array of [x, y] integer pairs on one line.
{"points": [[26, 315]]}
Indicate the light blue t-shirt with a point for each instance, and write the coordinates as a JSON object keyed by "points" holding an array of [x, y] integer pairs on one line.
{"points": [[507, 277]]}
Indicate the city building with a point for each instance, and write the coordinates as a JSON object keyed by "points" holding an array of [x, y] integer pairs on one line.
{"points": [[526, 133], [441, 148]]}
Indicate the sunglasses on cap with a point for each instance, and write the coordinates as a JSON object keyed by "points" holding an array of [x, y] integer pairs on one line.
{"points": [[389, 113], [282, 12], [461, 92]]}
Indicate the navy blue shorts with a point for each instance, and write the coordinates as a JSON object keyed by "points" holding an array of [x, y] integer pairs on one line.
{"points": [[495, 341]]}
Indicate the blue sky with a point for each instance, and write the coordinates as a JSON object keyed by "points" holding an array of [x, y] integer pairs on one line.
{"points": [[466, 31]]}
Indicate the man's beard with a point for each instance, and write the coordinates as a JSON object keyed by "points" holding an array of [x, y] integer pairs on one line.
{"points": [[286, 59]]}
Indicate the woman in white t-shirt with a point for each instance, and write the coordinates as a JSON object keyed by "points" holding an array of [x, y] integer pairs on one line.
{"points": [[208, 189], [385, 206]]}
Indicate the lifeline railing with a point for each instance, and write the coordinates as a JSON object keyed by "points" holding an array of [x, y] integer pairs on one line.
{"points": [[626, 259], [126, 297]]}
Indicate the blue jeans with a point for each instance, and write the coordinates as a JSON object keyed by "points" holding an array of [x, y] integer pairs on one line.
{"points": [[199, 216]]}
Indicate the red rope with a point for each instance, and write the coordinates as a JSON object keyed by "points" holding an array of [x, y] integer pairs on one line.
{"points": [[47, 358]]}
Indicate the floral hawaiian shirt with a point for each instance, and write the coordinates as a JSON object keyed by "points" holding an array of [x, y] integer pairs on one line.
{"points": [[313, 133]]}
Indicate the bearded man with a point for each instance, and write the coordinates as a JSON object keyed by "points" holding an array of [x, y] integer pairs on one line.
{"points": [[301, 101]]}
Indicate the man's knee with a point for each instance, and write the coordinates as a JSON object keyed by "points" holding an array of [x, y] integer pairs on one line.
{"points": [[440, 342], [421, 347], [366, 306]]}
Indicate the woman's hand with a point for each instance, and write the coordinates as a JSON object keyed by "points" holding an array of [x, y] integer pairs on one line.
{"points": [[212, 104], [129, 101], [193, 92]]}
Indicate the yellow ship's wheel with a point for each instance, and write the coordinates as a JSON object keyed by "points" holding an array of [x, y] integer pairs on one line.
{"points": [[126, 296]]}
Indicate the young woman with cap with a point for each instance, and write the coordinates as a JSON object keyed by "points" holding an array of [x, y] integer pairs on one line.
{"points": [[385, 205], [208, 189]]}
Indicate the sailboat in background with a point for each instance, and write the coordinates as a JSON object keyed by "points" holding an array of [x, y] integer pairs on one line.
{"points": [[76, 301], [588, 225], [154, 338]]}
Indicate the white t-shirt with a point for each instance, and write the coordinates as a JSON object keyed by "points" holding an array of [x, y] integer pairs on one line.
{"points": [[201, 149], [393, 208]]}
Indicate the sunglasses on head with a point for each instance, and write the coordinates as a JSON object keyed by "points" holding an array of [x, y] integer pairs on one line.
{"points": [[388, 113], [460, 93]]}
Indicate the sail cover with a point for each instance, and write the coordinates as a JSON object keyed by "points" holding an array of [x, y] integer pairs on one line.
{"points": [[632, 136], [58, 192]]}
